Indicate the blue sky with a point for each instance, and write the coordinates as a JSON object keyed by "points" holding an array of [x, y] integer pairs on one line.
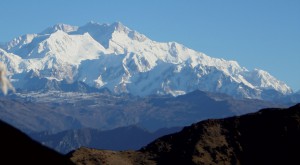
{"points": [[262, 34]]}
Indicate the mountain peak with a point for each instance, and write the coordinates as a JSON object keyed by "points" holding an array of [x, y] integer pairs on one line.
{"points": [[60, 26], [132, 34], [118, 26], [105, 33], [94, 24], [114, 25]]}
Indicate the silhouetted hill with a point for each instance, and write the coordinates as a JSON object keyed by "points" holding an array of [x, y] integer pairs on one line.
{"points": [[18, 148], [270, 136]]}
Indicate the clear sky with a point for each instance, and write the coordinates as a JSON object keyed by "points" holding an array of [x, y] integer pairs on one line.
{"points": [[263, 34]]}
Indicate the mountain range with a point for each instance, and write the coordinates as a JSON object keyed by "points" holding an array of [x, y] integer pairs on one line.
{"points": [[114, 57]]}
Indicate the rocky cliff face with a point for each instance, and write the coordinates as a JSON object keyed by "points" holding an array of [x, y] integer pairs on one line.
{"points": [[270, 136]]}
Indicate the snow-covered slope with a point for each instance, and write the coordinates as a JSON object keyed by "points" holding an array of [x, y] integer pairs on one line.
{"points": [[123, 60]]}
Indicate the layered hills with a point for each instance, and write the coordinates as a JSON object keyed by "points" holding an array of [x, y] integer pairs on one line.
{"points": [[60, 111], [270, 136]]}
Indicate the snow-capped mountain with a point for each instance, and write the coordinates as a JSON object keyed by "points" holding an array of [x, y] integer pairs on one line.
{"points": [[123, 60]]}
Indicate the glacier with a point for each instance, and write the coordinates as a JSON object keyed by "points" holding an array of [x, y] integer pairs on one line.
{"points": [[125, 61]]}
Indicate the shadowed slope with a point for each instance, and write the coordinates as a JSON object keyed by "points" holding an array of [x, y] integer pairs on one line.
{"points": [[17, 148]]}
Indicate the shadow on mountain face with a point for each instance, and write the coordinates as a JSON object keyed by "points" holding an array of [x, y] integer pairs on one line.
{"points": [[18, 148]]}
